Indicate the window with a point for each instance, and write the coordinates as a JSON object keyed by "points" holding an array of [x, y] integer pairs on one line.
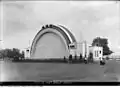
{"points": [[97, 54], [72, 46]]}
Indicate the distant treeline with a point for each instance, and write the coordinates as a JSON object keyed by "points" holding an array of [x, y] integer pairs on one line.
{"points": [[13, 54]]}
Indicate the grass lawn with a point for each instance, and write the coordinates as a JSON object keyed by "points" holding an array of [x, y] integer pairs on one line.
{"points": [[27, 71]]}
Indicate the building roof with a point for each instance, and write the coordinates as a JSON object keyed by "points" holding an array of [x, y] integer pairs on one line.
{"points": [[69, 37]]}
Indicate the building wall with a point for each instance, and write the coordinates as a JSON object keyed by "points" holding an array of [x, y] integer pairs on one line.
{"points": [[97, 52], [81, 48]]}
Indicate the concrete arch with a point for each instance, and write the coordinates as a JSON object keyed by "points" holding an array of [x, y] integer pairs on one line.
{"points": [[59, 32]]}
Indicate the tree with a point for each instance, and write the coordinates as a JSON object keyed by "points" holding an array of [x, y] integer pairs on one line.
{"points": [[23, 54], [90, 58], [5, 53], [16, 53], [11, 54], [103, 42], [1, 54]]}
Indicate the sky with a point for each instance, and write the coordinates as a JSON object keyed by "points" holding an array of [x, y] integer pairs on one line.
{"points": [[21, 20]]}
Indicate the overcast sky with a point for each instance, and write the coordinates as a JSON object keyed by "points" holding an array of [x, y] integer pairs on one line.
{"points": [[21, 20]]}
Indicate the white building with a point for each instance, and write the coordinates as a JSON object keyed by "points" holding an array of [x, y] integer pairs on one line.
{"points": [[79, 48], [56, 41], [97, 52]]}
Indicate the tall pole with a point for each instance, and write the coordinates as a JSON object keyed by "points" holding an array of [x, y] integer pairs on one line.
{"points": [[85, 49], [98, 41]]}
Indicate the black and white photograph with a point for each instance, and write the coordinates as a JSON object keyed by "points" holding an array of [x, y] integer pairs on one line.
{"points": [[60, 41]]}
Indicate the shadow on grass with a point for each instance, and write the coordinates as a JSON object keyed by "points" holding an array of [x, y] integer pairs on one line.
{"points": [[50, 60], [57, 60]]}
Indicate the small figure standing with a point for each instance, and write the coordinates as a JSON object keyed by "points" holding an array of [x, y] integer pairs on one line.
{"points": [[70, 59], [80, 58], [64, 59], [85, 60]]}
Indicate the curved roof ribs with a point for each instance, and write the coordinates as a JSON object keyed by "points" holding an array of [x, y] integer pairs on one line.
{"points": [[65, 32], [71, 35]]}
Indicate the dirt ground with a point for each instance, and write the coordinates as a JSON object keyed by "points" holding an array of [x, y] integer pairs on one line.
{"points": [[18, 71]]}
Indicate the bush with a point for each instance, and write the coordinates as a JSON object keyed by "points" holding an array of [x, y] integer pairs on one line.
{"points": [[90, 58], [102, 63]]}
